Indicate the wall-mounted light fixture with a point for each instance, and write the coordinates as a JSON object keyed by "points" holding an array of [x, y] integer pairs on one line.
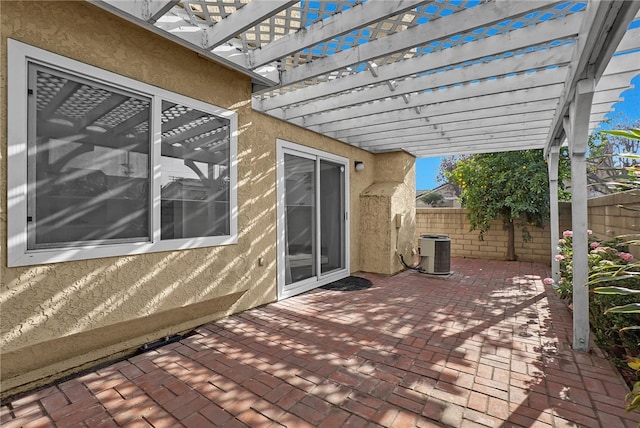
{"points": [[359, 166]]}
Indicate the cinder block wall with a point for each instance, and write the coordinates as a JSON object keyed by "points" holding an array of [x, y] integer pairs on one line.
{"points": [[453, 222], [615, 215], [610, 215]]}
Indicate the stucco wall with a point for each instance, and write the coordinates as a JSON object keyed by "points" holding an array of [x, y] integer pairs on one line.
{"points": [[83, 311], [389, 226]]}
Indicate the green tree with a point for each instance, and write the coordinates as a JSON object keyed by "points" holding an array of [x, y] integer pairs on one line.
{"points": [[448, 164], [513, 186], [432, 198], [611, 158]]}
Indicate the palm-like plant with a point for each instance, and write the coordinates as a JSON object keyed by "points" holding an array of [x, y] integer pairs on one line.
{"points": [[629, 273]]}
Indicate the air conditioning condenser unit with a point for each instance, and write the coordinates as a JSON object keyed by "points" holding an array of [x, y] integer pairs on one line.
{"points": [[435, 254]]}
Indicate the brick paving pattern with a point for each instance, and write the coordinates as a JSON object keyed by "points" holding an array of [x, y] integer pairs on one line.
{"points": [[485, 347]]}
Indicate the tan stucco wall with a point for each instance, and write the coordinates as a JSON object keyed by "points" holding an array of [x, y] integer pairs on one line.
{"points": [[61, 316], [393, 195]]}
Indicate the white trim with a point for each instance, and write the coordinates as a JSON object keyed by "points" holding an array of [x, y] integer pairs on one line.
{"points": [[286, 147], [155, 155], [554, 226], [19, 56]]}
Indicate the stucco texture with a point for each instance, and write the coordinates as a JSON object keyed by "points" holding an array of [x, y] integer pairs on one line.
{"points": [[388, 229], [85, 311]]}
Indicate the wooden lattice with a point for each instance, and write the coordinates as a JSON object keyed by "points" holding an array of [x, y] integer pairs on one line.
{"points": [[205, 14], [82, 99], [422, 16], [124, 111]]}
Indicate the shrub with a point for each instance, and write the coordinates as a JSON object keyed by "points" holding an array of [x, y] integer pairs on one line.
{"points": [[609, 265], [614, 311]]}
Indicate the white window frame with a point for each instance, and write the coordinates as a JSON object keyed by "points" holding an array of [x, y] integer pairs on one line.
{"points": [[19, 56]]}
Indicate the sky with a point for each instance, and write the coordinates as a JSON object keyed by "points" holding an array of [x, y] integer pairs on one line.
{"points": [[626, 111]]}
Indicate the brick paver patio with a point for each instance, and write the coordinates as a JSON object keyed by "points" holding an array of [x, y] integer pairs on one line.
{"points": [[486, 346]]}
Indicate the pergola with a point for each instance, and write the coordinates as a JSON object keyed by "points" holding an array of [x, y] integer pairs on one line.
{"points": [[431, 78]]}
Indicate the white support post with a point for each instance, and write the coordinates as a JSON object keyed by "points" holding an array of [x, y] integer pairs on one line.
{"points": [[580, 253], [577, 130], [552, 165]]}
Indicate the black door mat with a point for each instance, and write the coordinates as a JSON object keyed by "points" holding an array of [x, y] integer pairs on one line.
{"points": [[350, 283]]}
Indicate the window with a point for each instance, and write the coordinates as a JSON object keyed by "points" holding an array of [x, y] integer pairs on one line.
{"points": [[102, 165], [194, 169], [88, 162]]}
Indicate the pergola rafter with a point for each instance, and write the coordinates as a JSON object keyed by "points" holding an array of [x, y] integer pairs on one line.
{"points": [[389, 138], [450, 122], [482, 16], [336, 25], [463, 75], [459, 56], [244, 18], [338, 67], [491, 93], [456, 137], [474, 146]]}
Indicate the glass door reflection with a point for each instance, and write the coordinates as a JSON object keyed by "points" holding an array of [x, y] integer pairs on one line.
{"points": [[332, 217], [300, 214]]}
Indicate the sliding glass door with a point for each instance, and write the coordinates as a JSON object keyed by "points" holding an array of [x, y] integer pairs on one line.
{"points": [[299, 218], [332, 216], [312, 219]]}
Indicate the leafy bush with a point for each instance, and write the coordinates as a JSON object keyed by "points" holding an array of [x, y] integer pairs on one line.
{"points": [[614, 311], [609, 265]]}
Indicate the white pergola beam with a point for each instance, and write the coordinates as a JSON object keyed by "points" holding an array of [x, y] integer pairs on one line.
{"points": [[145, 10], [436, 103], [188, 34], [596, 119], [630, 41], [498, 145], [543, 59], [620, 81], [360, 15], [491, 46], [480, 107], [233, 60], [622, 64], [407, 134], [351, 103], [455, 121], [602, 29], [603, 108], [602, 97], [248, 16], [466, 20], [612, 34], [400, 143]]}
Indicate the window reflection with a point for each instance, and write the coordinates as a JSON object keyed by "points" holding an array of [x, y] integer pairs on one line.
{"points": [[195, 173], [88, 162]]}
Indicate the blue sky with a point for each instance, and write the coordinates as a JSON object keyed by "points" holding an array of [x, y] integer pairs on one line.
{"points": [[625, 112]]}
